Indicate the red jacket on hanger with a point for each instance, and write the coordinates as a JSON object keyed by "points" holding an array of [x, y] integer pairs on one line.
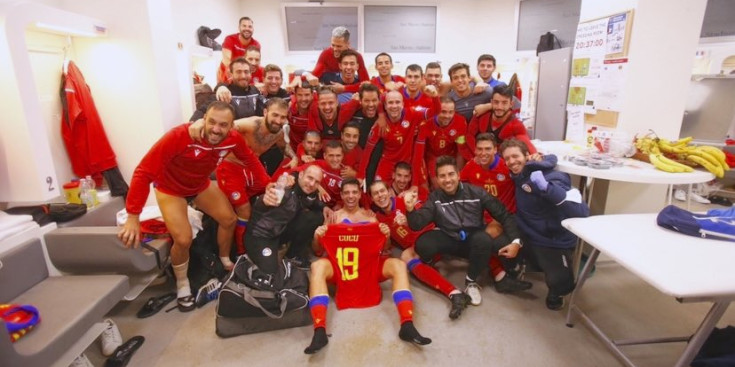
{"points": [[86, 143]]}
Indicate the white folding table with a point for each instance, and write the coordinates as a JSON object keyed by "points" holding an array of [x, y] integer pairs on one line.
{"points": [[658, 256]]}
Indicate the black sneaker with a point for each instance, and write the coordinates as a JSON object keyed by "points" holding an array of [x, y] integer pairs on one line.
{"points": [[208, 292], [459, 303], [554, 303], [509, 284]]}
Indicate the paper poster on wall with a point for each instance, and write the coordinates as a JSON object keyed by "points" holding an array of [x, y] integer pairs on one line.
{"points": [[575, 124], [611, 85], [616, 33], [582, 94]]}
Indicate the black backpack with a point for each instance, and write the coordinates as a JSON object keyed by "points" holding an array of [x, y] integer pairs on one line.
{"points": [[548, 42]]}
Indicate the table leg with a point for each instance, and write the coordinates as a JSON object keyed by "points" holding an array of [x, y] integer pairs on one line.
{"points": [[703, 331], [580, 282]]}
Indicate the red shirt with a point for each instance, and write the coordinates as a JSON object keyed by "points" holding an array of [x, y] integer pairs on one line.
{"points": [[331, 180], [84, 136], [355, 250], [402, 235], [495, 179], [180, 166], [334, 131], [381, 86], [258, 76], [513, 129], [420, 102], [327, 62], [352, 158], [298, 125], [398, 139], [232, 43], [443, 140]]}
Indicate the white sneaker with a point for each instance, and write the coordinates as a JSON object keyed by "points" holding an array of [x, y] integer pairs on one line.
{"points": [[699, 199], [473, 290], [81, 361], [110, 338], [680, 195]]}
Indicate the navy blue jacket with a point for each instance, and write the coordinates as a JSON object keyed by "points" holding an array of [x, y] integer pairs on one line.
{"points": [[540, 213]]}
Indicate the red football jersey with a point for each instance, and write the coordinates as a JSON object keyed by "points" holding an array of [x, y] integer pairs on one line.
{"points": [[381, 86], [419, 103], [355, 250], [232, 43], [402, 235], [443, 140], [333, 131], [353, 157], [298, 125], [495, 179]]}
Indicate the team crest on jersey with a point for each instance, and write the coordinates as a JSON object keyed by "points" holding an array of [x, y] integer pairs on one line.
{"points": [[267, 252], [405, 124], [526, 187], [235, 195], [500, 177], [197, 152], [452, 132]]}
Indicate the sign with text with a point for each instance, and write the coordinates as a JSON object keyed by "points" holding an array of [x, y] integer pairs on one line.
{"points": [[396, 29]]}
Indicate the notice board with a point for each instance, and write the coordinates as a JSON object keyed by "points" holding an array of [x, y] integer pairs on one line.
{"points": [[599, 64]]}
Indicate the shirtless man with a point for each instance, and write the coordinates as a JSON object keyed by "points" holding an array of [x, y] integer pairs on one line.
{"points": [[346, 276], [235, 179]]}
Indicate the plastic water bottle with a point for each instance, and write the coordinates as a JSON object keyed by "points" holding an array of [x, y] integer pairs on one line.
{"points": [[281, 186], [92, 191], [84, 194]]}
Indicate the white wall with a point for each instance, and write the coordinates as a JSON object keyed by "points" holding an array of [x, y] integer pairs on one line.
{"points": [[466, 29]]}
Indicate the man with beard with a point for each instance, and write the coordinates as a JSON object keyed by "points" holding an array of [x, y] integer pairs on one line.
{"points": [[252, 54], [397, 136], [500, 121], [179, 169], [298, 114], [545, 197], [463, 93], [368, 113], [275, 222], [391, 209], [401, 182], [385, 80], [444, 134], [328, 117], [457, 211], [353, 242], [348, 69], [235, 45], [352, 152], [239, 93], [236, 179]]}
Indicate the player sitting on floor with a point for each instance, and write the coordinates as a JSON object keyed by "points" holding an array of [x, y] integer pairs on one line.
{"points": [[354, 245]]}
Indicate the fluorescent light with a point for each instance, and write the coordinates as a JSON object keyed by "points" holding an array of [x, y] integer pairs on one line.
{"points": [[98, 30]]}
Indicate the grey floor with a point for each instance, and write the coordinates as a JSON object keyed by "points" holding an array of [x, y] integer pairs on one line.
{"points": [[506, 330]]}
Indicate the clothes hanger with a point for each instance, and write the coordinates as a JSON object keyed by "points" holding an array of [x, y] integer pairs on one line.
{"points": [[65, 66]]}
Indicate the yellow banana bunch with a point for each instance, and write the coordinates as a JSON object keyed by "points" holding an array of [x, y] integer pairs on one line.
{"points": [[668, 165], [711, 158]]}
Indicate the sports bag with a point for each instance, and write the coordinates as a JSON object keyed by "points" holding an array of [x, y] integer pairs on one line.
{"points": [[250, 292], [715, 224], [252, 301], [547, 42]]}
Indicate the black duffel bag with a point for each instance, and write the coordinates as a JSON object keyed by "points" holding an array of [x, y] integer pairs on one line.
{"points": [[252, 301]]}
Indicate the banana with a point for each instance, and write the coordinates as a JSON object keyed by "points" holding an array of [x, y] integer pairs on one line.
{"points": [[672, 162], [658, 163], [667, 147], [709, 157], [715, 169], [718, 154], [682, 141]]}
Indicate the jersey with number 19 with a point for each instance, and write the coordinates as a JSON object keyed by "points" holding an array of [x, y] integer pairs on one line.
{"points": [[354, 251]]}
